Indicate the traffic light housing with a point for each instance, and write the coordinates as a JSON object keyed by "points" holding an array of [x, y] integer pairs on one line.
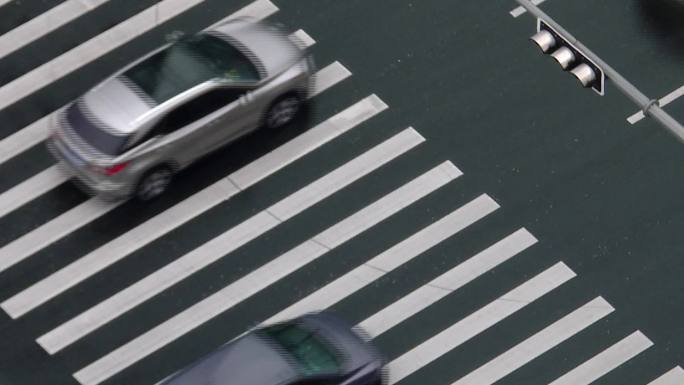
{"points": [[569, 57]]}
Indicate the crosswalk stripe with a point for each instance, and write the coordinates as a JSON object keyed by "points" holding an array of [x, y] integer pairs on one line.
{"points": [[229, 241], [35, 133], [673, 377], [31, 188], [50, 232], [448, 282], [390, 259], [51, 177], [538, 344], [24, 139], [45, 23], [108, 41], [478, 322], [271, 272], [117, 249], [25, 246], [606, 361]]}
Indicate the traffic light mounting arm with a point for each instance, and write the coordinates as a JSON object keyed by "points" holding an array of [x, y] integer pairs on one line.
{"points": [[645, 104]]}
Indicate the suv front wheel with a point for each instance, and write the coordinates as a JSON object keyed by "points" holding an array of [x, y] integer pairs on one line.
{"points": [[153, 183]]}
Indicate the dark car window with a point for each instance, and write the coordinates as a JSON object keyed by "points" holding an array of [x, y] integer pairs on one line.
{"points": [[319, 381], [313, 355], [190, 62], [85, 128], [194, 110]]}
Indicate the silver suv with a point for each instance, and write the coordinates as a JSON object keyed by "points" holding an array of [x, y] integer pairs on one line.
{"points": [[132, 132]]}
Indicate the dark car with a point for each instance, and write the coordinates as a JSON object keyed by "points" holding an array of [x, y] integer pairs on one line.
{"points": [[315, 349]]}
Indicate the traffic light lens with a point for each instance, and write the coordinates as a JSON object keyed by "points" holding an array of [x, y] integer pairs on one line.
{"points": [[584, 74], [544, 40], [564, 57]]}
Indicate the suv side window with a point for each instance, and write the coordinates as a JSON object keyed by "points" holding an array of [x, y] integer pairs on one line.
{"points": [[197, 108], [194, 110]]}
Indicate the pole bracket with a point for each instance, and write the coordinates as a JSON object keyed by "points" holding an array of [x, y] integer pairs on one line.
{"points": [[649, 105]]}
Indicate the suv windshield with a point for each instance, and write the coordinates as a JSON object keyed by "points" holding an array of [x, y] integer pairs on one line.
{"points": [[190, 62], [102, 140], [312, 354]]}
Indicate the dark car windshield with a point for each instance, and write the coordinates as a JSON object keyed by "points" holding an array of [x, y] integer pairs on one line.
{"points": [[312, 354], [102, 140], [189, 62]]}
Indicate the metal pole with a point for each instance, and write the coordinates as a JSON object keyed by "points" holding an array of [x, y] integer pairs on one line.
{"points": [[649, 106]]}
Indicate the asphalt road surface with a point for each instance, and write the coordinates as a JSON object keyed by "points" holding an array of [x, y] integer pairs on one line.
{"points": [[449, 189]]}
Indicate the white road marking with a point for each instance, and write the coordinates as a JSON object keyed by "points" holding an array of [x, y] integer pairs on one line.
{"points": [[448, 282], [520, 10], [662, 102], [106, 42], [538, 344], [304, 38], [673, 377], [258, 279], [24, 139], [45, 23], [30, 189], [28, 244], [42, 291], [213, 250], [477, 322], [607, 360], [390, 259], [36, 132]]}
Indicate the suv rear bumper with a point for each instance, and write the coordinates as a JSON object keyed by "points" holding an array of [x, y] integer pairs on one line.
{"points": [[106, 190]]}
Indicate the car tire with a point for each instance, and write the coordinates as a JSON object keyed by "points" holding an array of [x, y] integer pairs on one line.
{"points": [[282, 111], [153, 183]]}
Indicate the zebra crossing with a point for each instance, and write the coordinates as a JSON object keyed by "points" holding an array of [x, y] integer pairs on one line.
{"points": [[62, 339]]}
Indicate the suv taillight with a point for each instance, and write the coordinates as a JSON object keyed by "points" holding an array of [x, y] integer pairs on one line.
{"points": [[110, 170]]}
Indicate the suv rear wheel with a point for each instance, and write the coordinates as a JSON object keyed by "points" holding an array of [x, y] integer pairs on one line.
{"points": [[153, 183], [282, 111]]}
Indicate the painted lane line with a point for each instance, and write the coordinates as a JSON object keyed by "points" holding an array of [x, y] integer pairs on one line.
{"points": [[448, 282], [45, 23], [107, 41], [606, 361], [51, 177], [673, 377], [477, 322], [257, 280], [117, 249], [30, 189], [538, 344], [662, 102], [229, 241], [35, 133], [24, 139], [520, 10], [390, 259], [50, 232], [304, 38], [191, 207]]}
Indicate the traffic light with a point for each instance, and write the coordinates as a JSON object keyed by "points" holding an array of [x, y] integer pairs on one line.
{"points": [[569, 57]]}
